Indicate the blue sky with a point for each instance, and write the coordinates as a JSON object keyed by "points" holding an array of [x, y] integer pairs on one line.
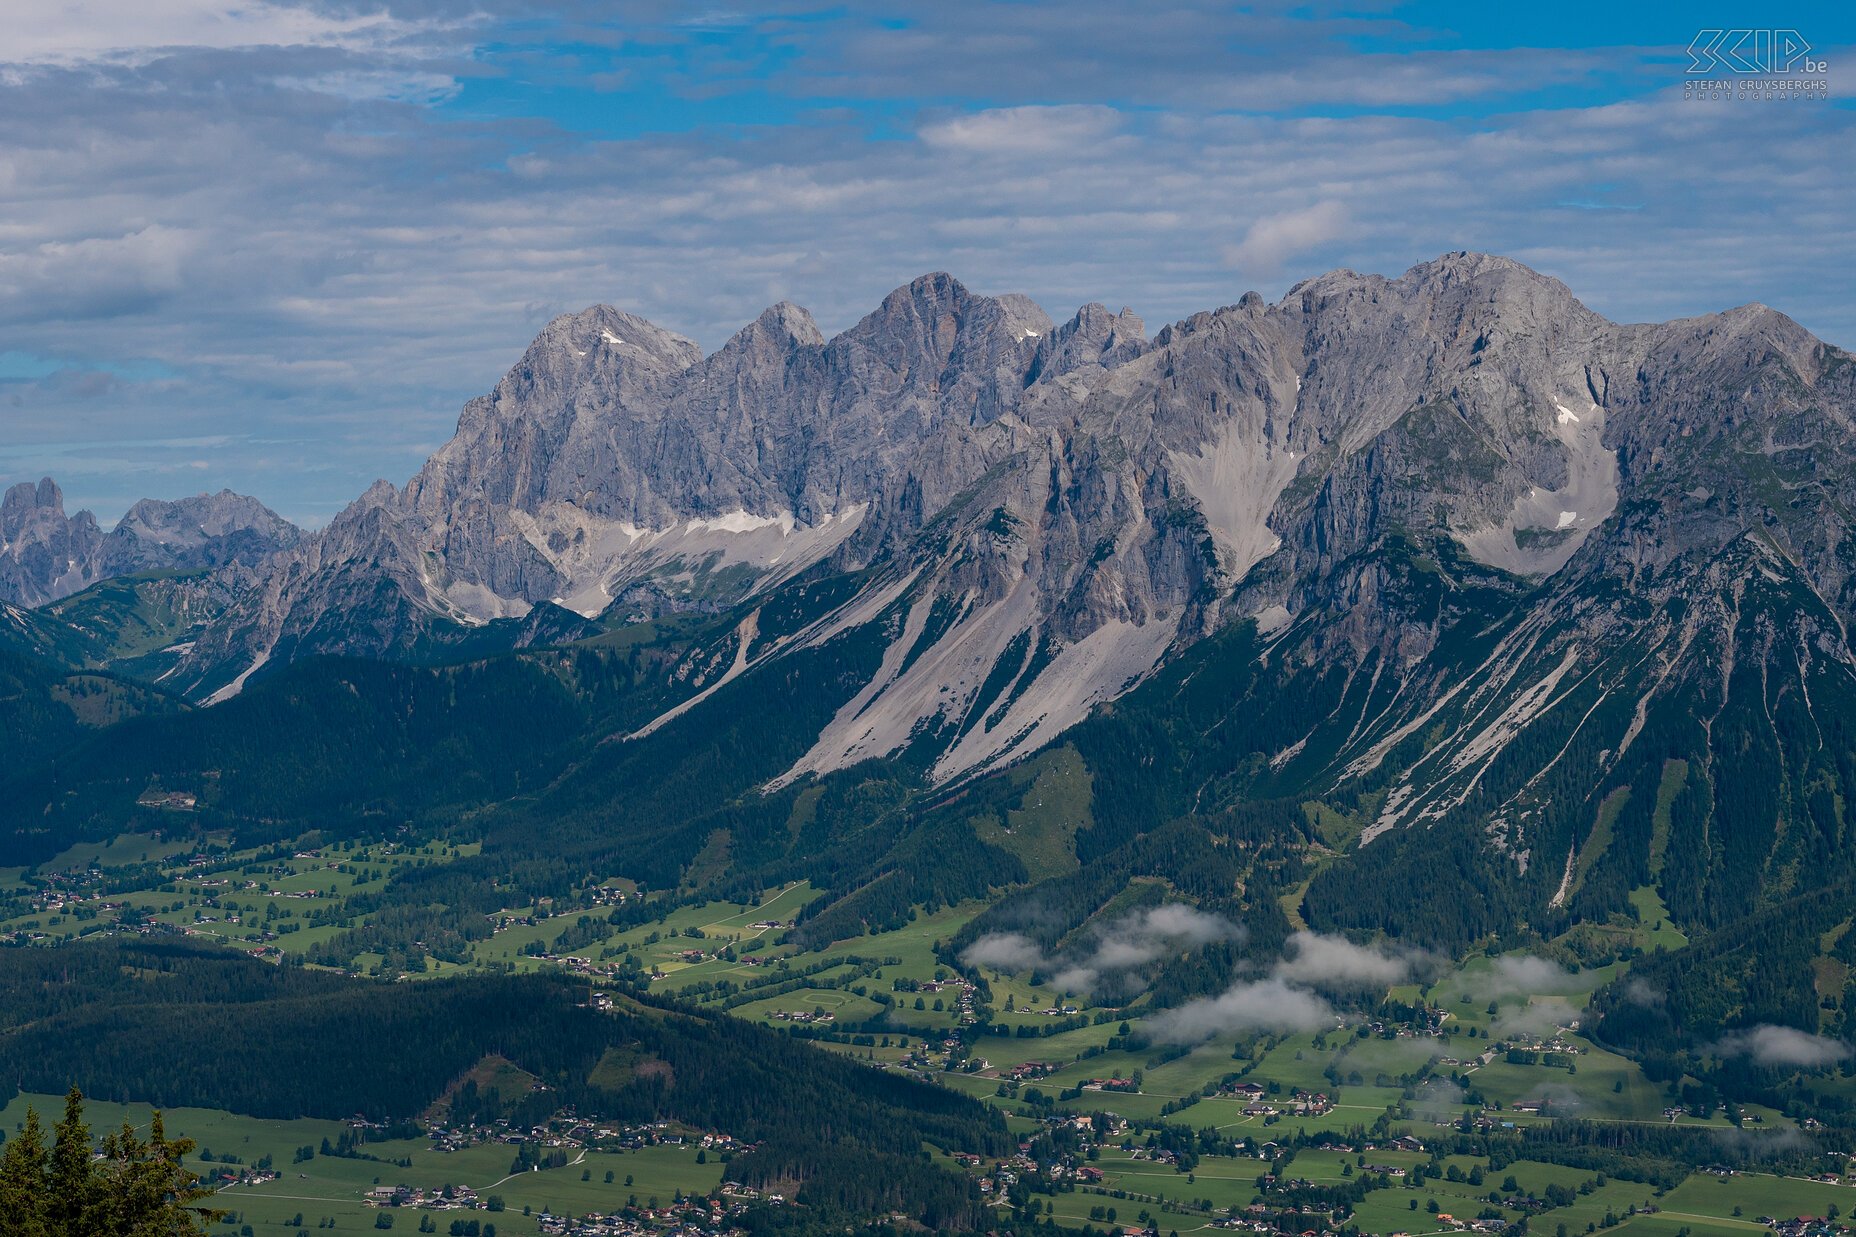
{"points": [[274, 246]]}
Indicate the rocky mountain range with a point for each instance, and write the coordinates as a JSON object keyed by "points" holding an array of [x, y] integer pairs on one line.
{"points": [[1501, 591], [1079, 489], [46, 555]]}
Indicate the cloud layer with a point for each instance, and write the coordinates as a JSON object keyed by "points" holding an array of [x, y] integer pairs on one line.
{"points": [[314, 230], [1334, 962], [1290, 998], [1783, 1046], [1123, 945], [1272, 1005], [1521, 975]]}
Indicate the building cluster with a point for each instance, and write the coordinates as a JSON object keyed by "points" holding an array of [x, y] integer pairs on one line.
{"points": [[1259, 1103], [1124, 1085], [694, 1218], [226, 1176], [566, 1132], [446, 1198], [1805, 1226]]}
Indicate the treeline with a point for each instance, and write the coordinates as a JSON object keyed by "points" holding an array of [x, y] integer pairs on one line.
{"points": [[343, 746], [1678, 1011], [932, 866], [336, 745], [1654, 1153], [877, 1184], [1757, 969]]}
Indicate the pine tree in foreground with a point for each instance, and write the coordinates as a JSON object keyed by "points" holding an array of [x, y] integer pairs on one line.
{"points": [[136, 1187]]}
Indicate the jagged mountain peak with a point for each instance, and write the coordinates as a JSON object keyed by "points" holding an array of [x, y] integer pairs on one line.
{"points": [[203, 516], [1745, 334], [26, 494], [625, 337], [784, 323], [378, 494], [1522, 600], [45, 555], [1076, 496], [930, 288], [1465, 285], [26, 502], [1092, 337], [936, 312]]}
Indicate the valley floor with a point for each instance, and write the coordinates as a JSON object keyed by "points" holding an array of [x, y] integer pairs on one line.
{"points": [[1115, 1131]]}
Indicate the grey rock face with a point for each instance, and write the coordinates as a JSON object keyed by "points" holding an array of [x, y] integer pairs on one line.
{"points": [[1079, 490], [45, 555], [207, 530]]}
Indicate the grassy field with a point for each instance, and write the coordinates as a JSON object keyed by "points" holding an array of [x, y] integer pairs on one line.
{"points": [[1783, 1198], [292, 903]]}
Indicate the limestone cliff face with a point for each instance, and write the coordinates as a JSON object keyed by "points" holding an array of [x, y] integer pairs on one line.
{"points": [[45, 555], [1047, 509]]}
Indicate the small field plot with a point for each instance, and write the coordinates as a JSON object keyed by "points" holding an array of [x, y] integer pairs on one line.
{"points": [[808, 1004]]}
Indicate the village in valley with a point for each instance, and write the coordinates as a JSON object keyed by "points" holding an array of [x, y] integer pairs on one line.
{"points": [[1381, 1124]]}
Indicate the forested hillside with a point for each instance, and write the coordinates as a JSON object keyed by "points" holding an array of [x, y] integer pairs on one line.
{"points": [[107, 1017]]}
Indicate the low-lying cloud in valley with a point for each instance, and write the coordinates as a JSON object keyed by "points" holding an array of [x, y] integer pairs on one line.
{"points": [[1786, 1046], [1271, 1005], [1004, 951], [1334, 962], [1539, 1018], [1132, 941], [1290, 998], [1521, 975], [1642, 993], [1439, 1099]]}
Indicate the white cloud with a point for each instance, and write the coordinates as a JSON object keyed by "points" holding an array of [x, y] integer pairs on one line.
{"points": [[1539, 1017], [1775, 1045], [1287, 999], [1439, 1100], [1559, 1099], [1270, 1005], [1004, 951], [100, 276], [1132, 941], [1180, 923], [1640, 992], [1068, 130], [1521, 975], [304, 261], [1335, 962], [74, 31], [1271, 241]]}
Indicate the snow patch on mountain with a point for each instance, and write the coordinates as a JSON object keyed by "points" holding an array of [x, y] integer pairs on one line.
{"points": [[599, 558], [1545, 528]]}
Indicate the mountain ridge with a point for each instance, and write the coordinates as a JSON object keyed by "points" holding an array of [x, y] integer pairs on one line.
{"points": [[46, 556], [1098, 495], [1448, 555]]}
